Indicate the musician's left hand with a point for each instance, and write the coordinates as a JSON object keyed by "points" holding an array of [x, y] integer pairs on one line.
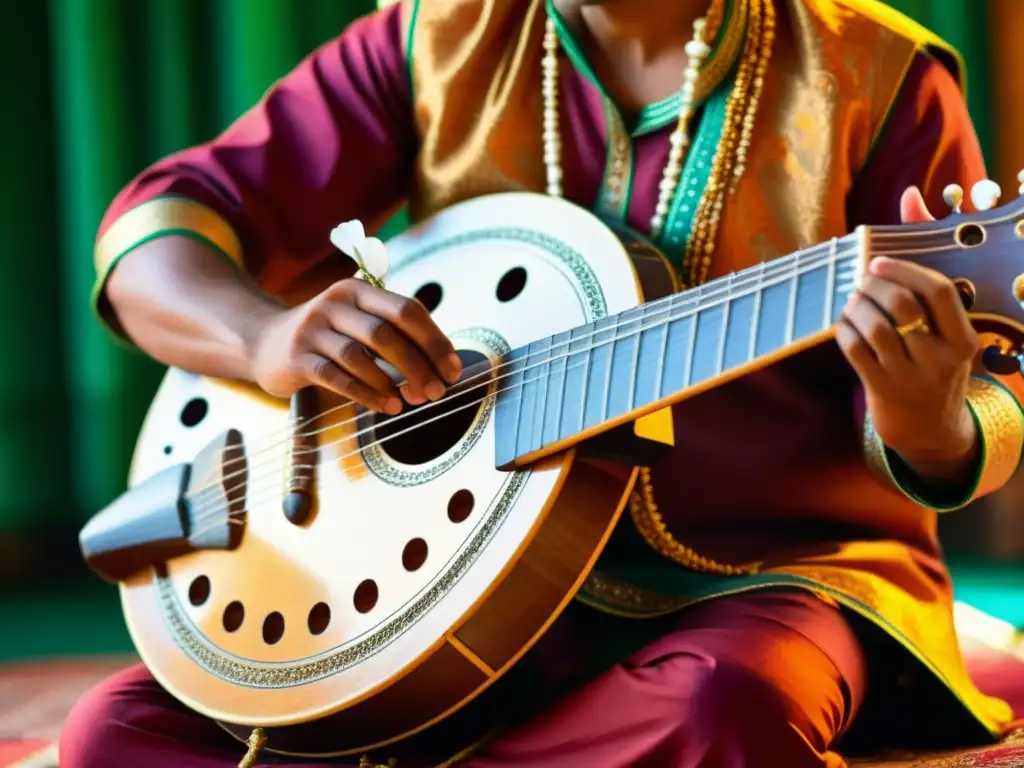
{"points": [[908, 337]]}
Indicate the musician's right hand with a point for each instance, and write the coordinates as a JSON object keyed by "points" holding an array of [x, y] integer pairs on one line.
{"points": [[325, 342]]}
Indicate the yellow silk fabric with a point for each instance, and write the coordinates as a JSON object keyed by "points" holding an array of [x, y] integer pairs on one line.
{"points": [[835, 71], [834, 74]]}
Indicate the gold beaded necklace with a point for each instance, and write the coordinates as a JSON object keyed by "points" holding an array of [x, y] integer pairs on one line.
{"points": [[727, 168], [730, 157], [730, 160]]}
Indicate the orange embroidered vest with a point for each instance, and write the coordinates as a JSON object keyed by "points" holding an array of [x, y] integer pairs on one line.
{"points": [[834, 74]]}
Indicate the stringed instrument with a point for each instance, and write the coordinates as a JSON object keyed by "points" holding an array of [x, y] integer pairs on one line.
{"points": [[287, 563]]}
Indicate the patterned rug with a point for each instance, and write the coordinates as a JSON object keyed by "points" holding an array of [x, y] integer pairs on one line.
{"points": [[35, 698], [1008, 754]]}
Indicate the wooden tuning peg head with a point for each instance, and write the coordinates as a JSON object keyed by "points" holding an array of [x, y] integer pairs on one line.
{"points": [[985, 195], [953, 195]]}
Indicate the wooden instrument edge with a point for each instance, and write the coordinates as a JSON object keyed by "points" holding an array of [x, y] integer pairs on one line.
{"points": [[545, 575], [554, 561]]}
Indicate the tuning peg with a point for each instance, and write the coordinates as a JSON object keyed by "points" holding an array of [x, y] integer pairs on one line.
{"points": [[1020, 178], [985, 194], [954, 197], [1000, 363]]}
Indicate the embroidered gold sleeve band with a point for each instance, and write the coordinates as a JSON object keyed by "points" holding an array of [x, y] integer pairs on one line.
{"points": [[1000, 421], [159, 217], [164, 216]]}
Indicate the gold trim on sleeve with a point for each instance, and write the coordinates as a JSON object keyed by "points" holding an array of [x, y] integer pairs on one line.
{"points": [[1001, 429], [1001, 422], [165, 216]]}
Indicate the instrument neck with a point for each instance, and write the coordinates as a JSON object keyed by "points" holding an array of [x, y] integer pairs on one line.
{"points": [[571, 386]]}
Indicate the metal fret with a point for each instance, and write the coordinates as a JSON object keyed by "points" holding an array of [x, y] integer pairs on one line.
{"points": [[561, 390], [720, 355], [608, 373], [520, 395], [794, 282], [830, 284], [586, 387], [756, 320], [544, 379], [662, 351], [634, 372], [692, 343]]}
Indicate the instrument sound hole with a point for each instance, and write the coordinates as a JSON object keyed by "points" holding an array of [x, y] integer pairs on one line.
{"points": [[430, 296], [234, 615], [970, 235], [511, 284], [199, 590], [414, 555], [366, 596], [273, 628], [195, 411], [319, 618], [460, 506], [421, 434]]}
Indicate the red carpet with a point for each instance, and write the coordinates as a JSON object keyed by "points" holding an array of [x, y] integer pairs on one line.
{"points": [[35, 699]]}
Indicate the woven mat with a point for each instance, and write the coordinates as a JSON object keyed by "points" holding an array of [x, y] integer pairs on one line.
{"points": [[1008, 754], [35, 698]]}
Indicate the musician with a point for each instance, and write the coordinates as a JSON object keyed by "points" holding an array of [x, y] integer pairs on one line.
{"points": [[800, 594]]}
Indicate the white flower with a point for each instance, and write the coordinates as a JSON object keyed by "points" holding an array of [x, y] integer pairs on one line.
{"points": [[368, 252]]}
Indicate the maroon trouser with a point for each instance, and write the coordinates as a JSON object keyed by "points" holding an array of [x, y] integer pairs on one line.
{"points": [[764, 679]]}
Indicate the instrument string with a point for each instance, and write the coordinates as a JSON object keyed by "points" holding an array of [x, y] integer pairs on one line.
{"points": [[621, 319], [878, 237], [759, 277], [548, 360]]}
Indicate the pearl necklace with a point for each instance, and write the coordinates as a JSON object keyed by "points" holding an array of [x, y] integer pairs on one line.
{"points": [[696, 50], [730, 157], [727, 168]]}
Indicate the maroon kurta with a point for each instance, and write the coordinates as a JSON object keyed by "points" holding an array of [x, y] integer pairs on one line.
{"points": [[778, 670]]}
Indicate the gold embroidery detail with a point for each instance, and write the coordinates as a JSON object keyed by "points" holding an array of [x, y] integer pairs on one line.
{"points": [[730, 158], [651, 524], [619, 167], [1002, 427], [717, 67], [621, 598], [1001, 423], [164, 216]]}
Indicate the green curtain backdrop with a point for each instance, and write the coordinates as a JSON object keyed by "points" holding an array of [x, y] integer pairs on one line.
{"points": [[93, 90]]}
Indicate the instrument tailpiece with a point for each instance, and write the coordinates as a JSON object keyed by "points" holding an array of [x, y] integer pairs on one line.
{"points": [[176, 511]]}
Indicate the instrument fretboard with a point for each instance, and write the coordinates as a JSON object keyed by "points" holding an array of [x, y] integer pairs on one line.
{"points": [[576, 382]]}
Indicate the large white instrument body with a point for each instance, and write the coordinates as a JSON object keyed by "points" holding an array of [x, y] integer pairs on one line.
{"points": [[370, 506]]}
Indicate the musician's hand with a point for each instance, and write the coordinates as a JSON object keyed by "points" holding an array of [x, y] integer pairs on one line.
{"points": [[916, 381], [325, 341]]}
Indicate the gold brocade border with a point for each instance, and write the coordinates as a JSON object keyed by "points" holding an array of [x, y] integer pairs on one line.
{"points": [[726, 51], [164, 216], [651, 525], [925, 630], [1001, 422], [1001, 429]]}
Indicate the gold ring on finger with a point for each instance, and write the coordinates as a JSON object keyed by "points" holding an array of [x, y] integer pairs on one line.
{"points": [[920, 325]]}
